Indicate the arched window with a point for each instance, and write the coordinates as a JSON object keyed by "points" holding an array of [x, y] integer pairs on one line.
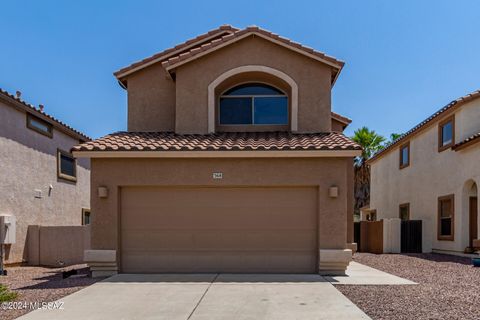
{"points": [[253, 104]]}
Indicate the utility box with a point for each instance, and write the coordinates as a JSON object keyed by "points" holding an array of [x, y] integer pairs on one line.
{"points": [[8, 228]]}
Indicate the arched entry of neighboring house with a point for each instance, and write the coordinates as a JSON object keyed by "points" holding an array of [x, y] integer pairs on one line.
{"points": [[472, 208]]}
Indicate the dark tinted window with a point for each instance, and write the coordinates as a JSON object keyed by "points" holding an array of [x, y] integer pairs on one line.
{"points": [[404, 212], [39, 125], [404, 156], [236, 110], [445, 217], [447, 133], [253, 89], [67, 166], [271, 110], [253, 104], [85, 217]]}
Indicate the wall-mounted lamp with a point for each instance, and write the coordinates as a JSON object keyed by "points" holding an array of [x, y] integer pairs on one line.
{"points": [[102, 192], [333, 192]]}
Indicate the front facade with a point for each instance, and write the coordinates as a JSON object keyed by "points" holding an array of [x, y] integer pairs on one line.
{"points": [[432, 174], [233, 161], [41, 182]]}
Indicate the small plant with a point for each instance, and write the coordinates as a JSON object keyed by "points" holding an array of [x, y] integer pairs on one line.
{"points": [[6, 295]]}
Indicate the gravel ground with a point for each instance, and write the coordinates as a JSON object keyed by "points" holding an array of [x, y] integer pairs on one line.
{"points": [[448, 287], [37, 284]]}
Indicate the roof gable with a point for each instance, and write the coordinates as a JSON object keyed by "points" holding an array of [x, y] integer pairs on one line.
{"points": [[176, 50], [173, 62], [218, 38]]}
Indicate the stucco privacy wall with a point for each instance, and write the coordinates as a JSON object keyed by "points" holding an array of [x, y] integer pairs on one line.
{"points": [[27, 163], [192, 79], [277, 172], [430, 175], [47, 245]]}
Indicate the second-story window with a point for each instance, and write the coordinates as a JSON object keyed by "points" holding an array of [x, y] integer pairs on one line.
{"points": [[405, 155], [446, 133], [66, 166], [253, 104], [40, 126]]}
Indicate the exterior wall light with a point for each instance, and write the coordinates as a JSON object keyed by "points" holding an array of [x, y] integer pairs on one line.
{"points": [[333, 192], [102, 192]]}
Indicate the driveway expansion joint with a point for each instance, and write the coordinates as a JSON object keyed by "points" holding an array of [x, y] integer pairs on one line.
{"points": [[203, 295]]}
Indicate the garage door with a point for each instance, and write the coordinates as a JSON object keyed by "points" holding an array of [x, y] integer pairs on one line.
{"points": [[251, 230]]}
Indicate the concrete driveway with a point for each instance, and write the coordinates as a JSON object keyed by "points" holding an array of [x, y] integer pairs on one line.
{"points": [[206, 296]]}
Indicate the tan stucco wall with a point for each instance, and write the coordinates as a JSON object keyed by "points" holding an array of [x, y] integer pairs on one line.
{"points": [[151, 96], [151, 100], [430, 175], [28, 163], [350, 201], [326, 172], [57, 245], [337, 126], [313, 80]]}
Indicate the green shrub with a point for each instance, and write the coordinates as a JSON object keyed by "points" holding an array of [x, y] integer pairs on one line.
{"points": [[6, 295]]}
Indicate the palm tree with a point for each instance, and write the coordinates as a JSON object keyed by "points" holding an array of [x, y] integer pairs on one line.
{"points": [[371, 143], [394, 136]]}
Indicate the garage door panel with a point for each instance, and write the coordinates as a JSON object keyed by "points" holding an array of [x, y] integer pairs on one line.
{"points": [[219, 229], [218, 240], [198, 261]]}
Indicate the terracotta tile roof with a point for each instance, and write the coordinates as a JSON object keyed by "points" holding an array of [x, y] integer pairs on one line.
{"points": [[453, 105], [211, 40], [222, 30], [10, 98], [475, 138], [173, 61], [227, 141]]}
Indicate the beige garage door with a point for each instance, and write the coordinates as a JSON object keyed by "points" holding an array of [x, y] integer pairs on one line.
{"points": [[256, 230]]}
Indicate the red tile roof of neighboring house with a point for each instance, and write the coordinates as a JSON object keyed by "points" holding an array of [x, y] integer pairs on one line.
{"points": [[475, 138], [210, 35], [213, 39], [10, 98], [453, 105], [226, 141]]}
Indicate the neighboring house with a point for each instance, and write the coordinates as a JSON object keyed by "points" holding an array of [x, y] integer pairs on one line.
{"points": [[233, 161], [40, 181], [432, 173]]}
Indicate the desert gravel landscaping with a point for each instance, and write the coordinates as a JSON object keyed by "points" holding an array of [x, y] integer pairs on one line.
{"points": [[37, 284], [448, 288]]}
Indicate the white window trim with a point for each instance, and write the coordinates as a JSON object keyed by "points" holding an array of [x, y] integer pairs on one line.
{"points": [[251, 68]]}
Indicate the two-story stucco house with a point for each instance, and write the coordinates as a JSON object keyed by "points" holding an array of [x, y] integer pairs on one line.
{"points": [[432, 173], [41, 183], [232, 162]]}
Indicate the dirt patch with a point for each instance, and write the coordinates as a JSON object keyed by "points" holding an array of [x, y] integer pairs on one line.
{"points": [[448, 288], [37, 284]]}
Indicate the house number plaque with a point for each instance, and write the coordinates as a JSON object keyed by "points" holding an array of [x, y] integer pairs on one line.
{"points": [[217, 175]]}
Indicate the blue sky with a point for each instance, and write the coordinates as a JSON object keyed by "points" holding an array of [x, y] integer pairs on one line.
{"points": [[404, 59]]}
